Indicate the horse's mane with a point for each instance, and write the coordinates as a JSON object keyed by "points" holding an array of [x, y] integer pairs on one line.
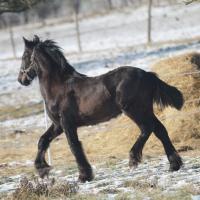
{"points": [[51, 48]]}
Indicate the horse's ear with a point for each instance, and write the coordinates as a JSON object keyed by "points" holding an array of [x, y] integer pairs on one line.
{"points": [[28, 43], [36, 39]]}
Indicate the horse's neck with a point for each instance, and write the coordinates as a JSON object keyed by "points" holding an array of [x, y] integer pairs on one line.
{"points": [[53, 82], [53, 85], [49, 87]]}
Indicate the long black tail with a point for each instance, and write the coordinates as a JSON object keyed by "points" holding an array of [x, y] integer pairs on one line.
{"points": [[166, 95]]}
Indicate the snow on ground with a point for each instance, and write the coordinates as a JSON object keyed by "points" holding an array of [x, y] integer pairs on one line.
{"points": [[153, 171], [116, 178]]}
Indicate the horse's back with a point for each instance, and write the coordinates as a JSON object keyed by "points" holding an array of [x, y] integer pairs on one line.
{"points": [[131, 87], [98, 95], [122, 77]]}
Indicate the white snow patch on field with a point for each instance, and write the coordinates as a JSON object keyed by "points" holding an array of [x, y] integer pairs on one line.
{"points": [[152, 173]]}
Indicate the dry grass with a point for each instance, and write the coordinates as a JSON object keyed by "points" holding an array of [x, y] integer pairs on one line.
{"points": [[139, 185], [23, 147], [35, 190], [11, 112]]}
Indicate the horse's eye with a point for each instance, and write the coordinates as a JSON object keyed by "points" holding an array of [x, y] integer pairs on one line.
{"points": [[24, 56]]}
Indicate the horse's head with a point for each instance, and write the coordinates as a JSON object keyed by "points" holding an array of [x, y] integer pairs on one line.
{"points": [[42, 59], [28, 70]]}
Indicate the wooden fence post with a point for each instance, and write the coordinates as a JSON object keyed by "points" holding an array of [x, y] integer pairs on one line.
{"points": [[149, 39], [76, 9], [110, 4], [12, 41]]}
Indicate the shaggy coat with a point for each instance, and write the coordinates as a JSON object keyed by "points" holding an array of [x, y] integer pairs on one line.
{"points": [[73, 100]]}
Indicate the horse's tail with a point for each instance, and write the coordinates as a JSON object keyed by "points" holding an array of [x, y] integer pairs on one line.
{"points": [[166, 95]]}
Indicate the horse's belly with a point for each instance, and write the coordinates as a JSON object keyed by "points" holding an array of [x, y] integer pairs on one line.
{"points": [[98, 111], [98, 117]]}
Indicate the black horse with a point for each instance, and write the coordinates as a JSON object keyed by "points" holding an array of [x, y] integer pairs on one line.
{"points": [[73, 100]]}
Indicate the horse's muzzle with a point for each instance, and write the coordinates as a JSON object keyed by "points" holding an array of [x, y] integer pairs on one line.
{"points": [[22, 79]]}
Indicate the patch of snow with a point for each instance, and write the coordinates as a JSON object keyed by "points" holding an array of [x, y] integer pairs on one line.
{"points": [[10, 183], [36, 121], [112, 180], [7, 187], [195, 197]]}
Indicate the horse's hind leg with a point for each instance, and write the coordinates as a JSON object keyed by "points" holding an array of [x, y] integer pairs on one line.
{"points": [[173, 157], [40, 163], [145, 123]]}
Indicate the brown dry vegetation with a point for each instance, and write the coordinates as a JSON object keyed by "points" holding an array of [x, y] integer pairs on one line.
{"points": [[11, 112]]}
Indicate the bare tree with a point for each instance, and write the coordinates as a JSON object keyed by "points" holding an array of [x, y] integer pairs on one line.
{"points": [[16, 5]]}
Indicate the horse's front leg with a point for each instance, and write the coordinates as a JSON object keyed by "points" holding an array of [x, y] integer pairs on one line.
{"points": [[85, 169], [40, 163]]}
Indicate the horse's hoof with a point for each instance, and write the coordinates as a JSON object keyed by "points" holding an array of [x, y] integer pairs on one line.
{"points": [[133, 163], [85, 175], [175, 162], [83, 178], [44, 171], [134, 159]]}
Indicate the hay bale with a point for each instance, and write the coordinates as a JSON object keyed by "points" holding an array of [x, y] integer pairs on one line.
{"points": [[182, 72]]}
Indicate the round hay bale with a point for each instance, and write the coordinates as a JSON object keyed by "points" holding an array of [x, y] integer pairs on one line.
{"points": [[183, 72]]}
